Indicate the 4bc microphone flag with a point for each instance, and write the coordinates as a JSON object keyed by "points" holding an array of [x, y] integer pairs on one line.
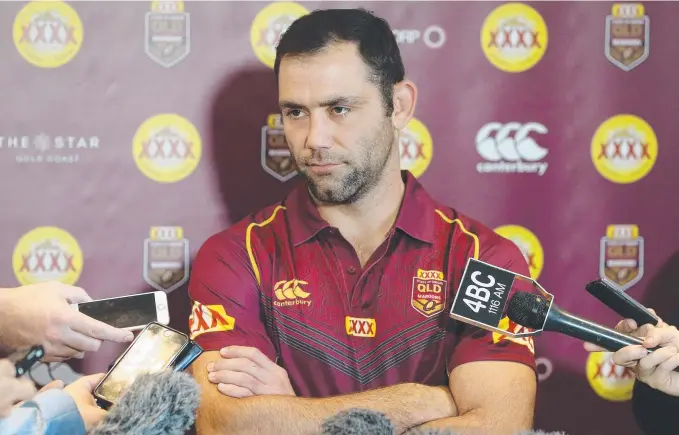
{"points": [[483, 294]]}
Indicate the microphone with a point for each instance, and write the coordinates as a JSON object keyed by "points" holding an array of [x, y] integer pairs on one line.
{"points": [[357, 421], [532, 311], [161, 403]]}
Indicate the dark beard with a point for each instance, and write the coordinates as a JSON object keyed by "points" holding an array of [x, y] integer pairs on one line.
{"points": [[362, 177]]}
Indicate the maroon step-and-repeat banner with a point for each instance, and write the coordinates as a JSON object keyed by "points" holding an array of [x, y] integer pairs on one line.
{"points": [[552, 122]]}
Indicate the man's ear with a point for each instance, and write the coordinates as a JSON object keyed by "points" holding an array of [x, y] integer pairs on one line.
{"points": [[404, 100]]}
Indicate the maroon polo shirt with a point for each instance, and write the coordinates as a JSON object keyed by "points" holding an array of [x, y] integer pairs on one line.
{"points": [[286, 282]]}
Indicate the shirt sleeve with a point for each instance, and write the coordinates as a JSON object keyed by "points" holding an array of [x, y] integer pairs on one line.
{"points": [[476, 344], [50, 413], [226, 298]]}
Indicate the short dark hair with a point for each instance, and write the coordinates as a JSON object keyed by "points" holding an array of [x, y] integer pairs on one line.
{"points": [[314, 32]]}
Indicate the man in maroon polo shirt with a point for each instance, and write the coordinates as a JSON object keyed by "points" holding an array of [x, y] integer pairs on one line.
{"points": [[338, 297]]}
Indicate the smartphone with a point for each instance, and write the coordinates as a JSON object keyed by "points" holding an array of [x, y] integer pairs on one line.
{"points": [[621, 302], [24, 359], [155, 349], [131, 312]]}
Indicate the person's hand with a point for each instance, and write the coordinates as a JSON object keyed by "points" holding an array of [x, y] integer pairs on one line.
{"points": [[655, 369], [41, 314], [54, 385], [81, 393], [12, 390], [630, 327], [245, 371]]}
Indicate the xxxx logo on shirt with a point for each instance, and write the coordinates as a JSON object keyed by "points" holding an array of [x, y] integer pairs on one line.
{"points": [[509, 326], [209, 318], [361, 327]]}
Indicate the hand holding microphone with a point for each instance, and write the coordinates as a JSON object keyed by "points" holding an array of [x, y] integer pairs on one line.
{"points": [[657, 369]]}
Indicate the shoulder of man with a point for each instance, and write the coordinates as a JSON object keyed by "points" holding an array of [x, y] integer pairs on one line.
{"points": [[477, 237]]}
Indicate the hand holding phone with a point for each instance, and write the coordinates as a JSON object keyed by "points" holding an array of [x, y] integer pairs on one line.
{"points": [[155, 349], [130, 312], [621, 303]]}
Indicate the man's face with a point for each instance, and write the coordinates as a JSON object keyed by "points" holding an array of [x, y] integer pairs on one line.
{"points": [[335, 123]]}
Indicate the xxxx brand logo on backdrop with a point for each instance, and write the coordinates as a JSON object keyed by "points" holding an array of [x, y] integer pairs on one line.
{"points": [[622, 256], [529, 245], [167, 148], [514, 37], [276, 158], [416, 147], [624, 149], [167, 39], [48, 34], [609, 380], [47, 254], [628, 32], [166, 258], [268, 26]]}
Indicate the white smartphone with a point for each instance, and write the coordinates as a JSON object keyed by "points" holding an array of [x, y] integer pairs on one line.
{"points": [[131, 312]]}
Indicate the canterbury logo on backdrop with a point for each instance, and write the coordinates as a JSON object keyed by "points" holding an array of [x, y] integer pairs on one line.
{"points": [[290, 293]]}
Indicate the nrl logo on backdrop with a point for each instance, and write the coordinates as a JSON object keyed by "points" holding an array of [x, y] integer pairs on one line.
{"points": [[167, 37], [627, 35], [166, 258], [622, 256], [276, 158]]}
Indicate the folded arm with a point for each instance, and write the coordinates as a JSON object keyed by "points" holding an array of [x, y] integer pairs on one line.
{"points": [[406, 405], [495, 396]]}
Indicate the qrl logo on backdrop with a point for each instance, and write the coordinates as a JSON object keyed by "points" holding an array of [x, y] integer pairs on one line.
{"points": [[511, 148]]}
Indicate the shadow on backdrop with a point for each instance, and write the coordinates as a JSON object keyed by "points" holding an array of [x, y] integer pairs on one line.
{"points": [[239, 111]]}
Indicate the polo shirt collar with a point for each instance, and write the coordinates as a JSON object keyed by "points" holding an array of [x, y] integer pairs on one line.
{"points": [[416, 216]]}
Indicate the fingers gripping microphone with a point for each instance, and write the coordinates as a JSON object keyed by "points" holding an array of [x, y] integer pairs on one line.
{"points": [[532, 311], [156, 404]]}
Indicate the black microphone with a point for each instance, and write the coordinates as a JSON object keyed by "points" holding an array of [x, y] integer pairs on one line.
{"points": [[532, 311], [161, 403]]}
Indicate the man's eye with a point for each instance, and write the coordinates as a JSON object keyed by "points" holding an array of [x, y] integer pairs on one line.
{"points": [[294, 113], [340, 110]]}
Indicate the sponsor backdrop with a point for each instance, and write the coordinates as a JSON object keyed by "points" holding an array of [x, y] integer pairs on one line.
{"points": [[132, 131]]}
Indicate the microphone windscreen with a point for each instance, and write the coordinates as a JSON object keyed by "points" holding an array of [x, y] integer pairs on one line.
{"points": [[528, 309], [162, 403], [358, 422], [539, 432]]}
